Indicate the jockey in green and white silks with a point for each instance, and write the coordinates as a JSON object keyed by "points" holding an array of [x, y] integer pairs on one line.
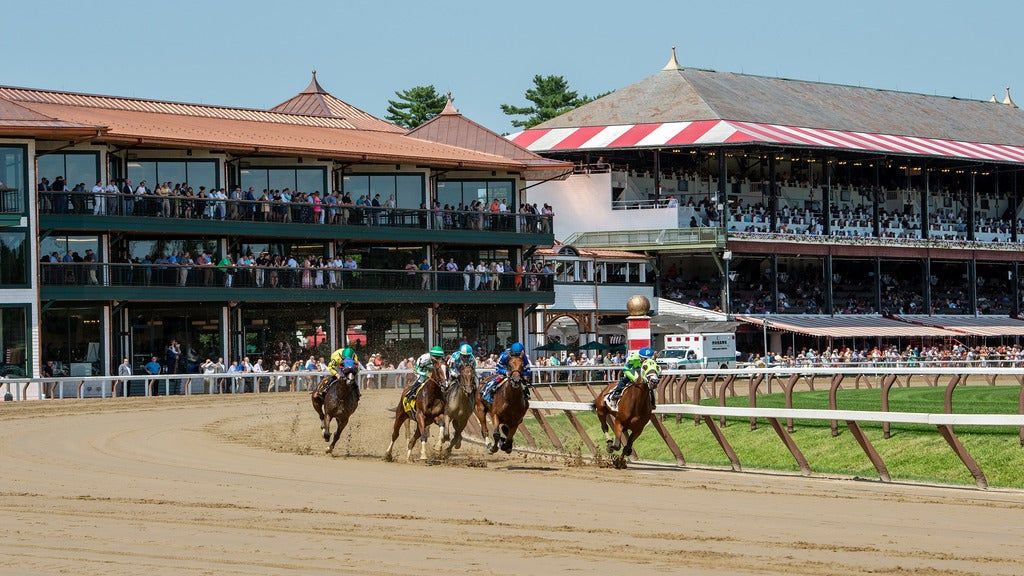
{"points": [[423, 367]]}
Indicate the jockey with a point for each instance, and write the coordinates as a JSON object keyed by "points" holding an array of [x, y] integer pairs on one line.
{"points": [[501, 369], [343, 361], [424, 365], [462, 357], [633, 370]]}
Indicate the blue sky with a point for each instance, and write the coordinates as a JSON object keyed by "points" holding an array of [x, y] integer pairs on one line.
{"points": [[259, 53]]}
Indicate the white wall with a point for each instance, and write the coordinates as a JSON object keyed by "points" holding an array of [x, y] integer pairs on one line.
{"points": [[582, 297], [583, 203]]}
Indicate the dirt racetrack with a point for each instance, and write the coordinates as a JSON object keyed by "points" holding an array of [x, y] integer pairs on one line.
{"points": [[240, 485]]}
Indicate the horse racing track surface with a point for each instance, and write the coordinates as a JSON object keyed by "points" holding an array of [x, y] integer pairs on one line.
{"points": [[240, 485]]}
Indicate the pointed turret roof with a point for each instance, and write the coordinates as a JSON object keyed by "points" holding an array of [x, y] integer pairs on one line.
{"points": [[315, 101], [452, 128]]}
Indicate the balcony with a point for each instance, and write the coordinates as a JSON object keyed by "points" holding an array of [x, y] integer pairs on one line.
{"points": [[85, 211], [205, 283]]}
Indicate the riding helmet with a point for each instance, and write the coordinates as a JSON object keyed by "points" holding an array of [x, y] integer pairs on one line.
{"points": [[466, 350], [516, 348], [647, 353], [437, 352], [347, 352]]}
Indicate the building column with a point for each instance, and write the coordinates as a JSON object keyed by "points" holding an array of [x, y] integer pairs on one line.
{"points": [[970, 207], [773, 197], [726, 283], [431, 323], [829, 304], [927, 288], [826, 210], [876, 227], [226, 332], [972, 284], [1015, 286], [878, 283], [332, 322], [925, 209], [657, 175], [723, 192], [775, 283], [340, 316], [1015, 230], [107, 325]]}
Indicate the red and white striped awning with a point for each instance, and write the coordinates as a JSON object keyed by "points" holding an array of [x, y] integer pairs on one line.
{"points": [[728, 131]]}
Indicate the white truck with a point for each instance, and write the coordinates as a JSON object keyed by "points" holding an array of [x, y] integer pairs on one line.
{"points": [[697, 351]]}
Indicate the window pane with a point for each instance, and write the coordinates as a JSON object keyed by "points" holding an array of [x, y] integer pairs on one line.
{"points": [[501, 190], [143, 172], [310, 180], [12, 180], [201, 174], [410, 191], [356, 186], [384, 187], [474, 191], [69, 244], [173, 172], [281, 179], [51, 166], [13, 351], [72, 340], [449, 193], [13, 259], [81, 169], [256, 178]]}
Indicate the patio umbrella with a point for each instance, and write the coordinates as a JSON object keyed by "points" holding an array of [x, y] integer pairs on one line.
{"points": [[594, 346]]}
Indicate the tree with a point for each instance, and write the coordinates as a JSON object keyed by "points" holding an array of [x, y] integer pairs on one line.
{"points": [[415, 106], [551, 97]]}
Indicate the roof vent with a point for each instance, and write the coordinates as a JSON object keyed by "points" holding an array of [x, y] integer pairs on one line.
{"points": [[673, 64], [449, 107], [993, 99], [1009, 101]]}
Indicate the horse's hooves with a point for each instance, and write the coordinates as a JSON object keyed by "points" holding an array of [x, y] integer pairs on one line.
{"points": [[329, 451], [620, 463], [388, 457]]}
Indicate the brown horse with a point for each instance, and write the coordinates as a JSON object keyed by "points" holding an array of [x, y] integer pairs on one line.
{"points": [[337, 402], [507, 409], [633, 412], [429, 408], [460, 402]]}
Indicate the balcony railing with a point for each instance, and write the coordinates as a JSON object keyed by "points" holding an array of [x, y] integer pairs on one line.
{"points": [[285, 278], [214, 209], [11, 200]]}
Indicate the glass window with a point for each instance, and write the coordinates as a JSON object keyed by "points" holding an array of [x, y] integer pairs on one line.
{"points": [[72, 340], [255, 178], [78, 169], [288, 334], [356, 186], [384, 187], [12, 180], [501, 190], [13, 259], [194, 172], [311, 180], [202, 174], [449, 193], [14, 357], [281, 179], [68, 245], [410, 191], [139, 172], [165, 247], [196, 328]]}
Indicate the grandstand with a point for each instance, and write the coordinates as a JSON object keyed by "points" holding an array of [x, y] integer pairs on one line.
{"points": [[758, 195]]}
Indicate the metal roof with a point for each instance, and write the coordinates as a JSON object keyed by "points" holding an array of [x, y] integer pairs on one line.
{"points": [[691, 94], [848, 326], [315, 101], [452, 128], [971, 325]]}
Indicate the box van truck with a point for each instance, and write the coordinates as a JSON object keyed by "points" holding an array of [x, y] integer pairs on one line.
{"points": [[698, 351]]}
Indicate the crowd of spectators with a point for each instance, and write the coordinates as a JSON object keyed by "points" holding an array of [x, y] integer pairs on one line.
{"points": [[169, 200], [953, 355], [318, 272]]}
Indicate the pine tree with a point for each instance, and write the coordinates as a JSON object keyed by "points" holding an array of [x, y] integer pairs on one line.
{"points": [[550, 96], [415, 106]]}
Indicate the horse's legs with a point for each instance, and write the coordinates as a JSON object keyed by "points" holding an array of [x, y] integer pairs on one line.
{"points": [[424, 430], [327, 427], [510, 433], [442, 435], [481, 417], [617, 428], [412, 442], [318, 405], [342, 422], [400, 418], [602, 417]]}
